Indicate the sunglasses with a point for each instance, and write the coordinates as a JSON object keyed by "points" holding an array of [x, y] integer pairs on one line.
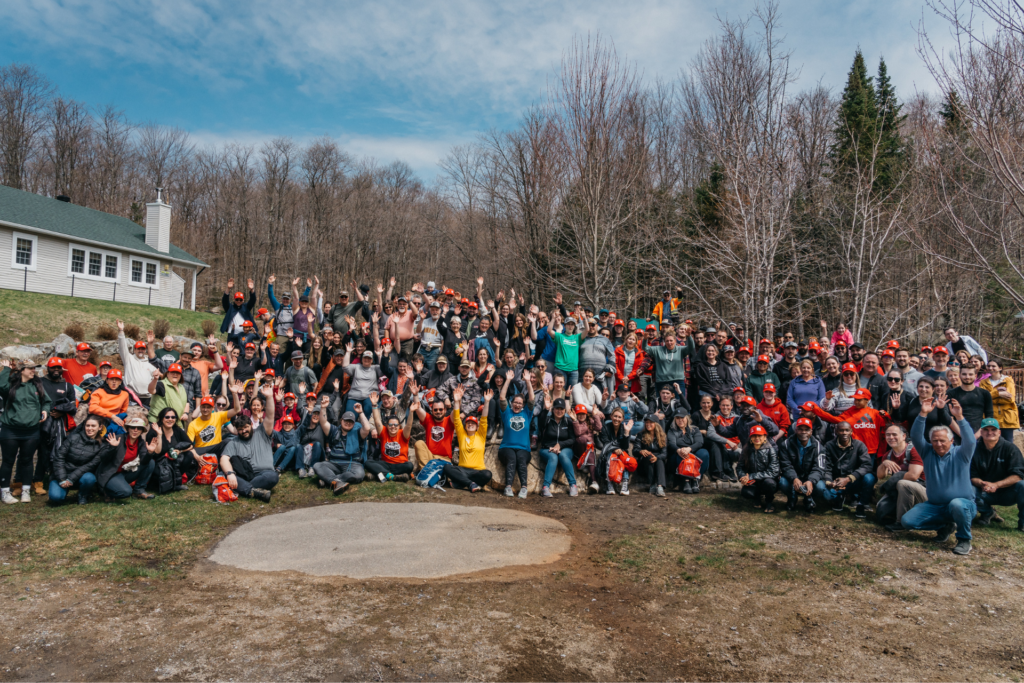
{"points": [[894, 379]]}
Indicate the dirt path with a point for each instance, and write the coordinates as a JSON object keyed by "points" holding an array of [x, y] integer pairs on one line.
{"points": [[688, 588]]}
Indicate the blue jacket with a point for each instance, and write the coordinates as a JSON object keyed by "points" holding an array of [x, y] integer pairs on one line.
{"points": [[230, 309], [801, 391], [947, 477]]}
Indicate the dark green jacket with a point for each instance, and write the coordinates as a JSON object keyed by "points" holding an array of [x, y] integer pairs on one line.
{"points": [[28, 406]]}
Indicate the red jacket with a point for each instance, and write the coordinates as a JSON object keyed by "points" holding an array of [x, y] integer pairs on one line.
{"points": [[779, 414], [632, 381], [868, 425]]}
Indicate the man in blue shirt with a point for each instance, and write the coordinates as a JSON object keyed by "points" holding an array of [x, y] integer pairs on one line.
{"points": [[947, 469]]}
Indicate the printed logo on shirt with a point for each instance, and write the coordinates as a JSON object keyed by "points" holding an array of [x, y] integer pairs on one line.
{"points": [[517, 423], [864, 422], [392, 449], [437, 433], [207, 433]]}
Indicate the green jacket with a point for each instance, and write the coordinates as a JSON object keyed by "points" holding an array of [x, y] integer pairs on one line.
{"points": [[670, 366], [28, 406], [756, 382], [168, 396]]}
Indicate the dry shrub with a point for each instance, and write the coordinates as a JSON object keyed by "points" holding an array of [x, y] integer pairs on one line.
{"points": [[132, 332], [106, 332], [190, 333], [161, 328], [209, 327], [75, 330]]}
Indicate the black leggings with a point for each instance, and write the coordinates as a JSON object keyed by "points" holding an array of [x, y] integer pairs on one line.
{"points": [[516, 460], [762, 487], [20, 451], [655, 471], [462, 476], [375, 467]]}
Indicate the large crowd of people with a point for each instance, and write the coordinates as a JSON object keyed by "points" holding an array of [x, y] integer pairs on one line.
{"points": [[389, 386]]}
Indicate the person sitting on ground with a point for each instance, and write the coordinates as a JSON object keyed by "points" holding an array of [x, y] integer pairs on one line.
{"points": [[950, 505], [615, 434], [126, 466], [901, 471], [802, 463], [848, 472], [556, 442], [749, 417], [632, 408], [346, 448], [438, 432], [288, 450], [248, 461], [651, 446], [516, 415], [666, 405], [111, 400], [171, 449], [759, 469], [683, 439], [997, 473], [394, 463], [74, 464], [471, 432]]}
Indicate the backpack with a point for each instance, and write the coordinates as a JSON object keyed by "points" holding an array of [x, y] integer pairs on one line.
{"points": [[207, 471], [222, 492], [430, 475]]}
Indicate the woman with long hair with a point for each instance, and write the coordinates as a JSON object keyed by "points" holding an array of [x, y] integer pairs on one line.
{"points": [[840, 399], [759, 469], [163, 440], [652, 444], [519, 339], [1004, 398], [74, 463]]}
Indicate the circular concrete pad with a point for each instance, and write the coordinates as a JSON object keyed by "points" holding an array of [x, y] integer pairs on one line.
{"points": [[409, 540]]}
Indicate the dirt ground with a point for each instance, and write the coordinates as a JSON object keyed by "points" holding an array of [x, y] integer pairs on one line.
{"points": [[683, 588]]}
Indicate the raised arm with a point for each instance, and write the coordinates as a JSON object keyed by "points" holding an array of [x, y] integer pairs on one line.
{"points": [[268, 412], [377, 424], [236, 407], [408, 424]]}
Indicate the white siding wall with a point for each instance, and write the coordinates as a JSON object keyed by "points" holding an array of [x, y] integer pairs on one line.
{"points": [[52, 268]]}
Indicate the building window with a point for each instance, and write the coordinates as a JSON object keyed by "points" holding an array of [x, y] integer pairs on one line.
{"points": [[144, 272], [78, 261], [93, 264], [24, 251]]}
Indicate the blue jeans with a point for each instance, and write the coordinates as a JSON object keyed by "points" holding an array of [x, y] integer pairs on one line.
{"points": [[960, 511], [122, 485], [316, 454], [862, 490], [86, 484], [284, 454], [553, 460], [367, 407], [1011, 495], [430, 358], [571, 378], [786, 486]]}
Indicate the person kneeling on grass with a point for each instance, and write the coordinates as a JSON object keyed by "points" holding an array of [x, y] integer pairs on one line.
{"points": [[997, 470], [472, 435], [126, 464], [346, 448], [248, 461], [74, 463], [759, 469], [847, 472], [394, 463], [803, 463], [947, 470]]}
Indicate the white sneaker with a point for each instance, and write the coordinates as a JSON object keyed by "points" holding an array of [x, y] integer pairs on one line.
{"points": [[509, 492], [5, 496], [611, 489], [594, 487], [625, 488], [522, 492], [574, 491], [26, 495], [546, 492]]}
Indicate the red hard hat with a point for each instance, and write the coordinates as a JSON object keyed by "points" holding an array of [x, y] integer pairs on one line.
{"points": [[239, 295], [174, 367], [758, 430], [207, 401], [805, 422], [861, 394], [82, 346], [55, 363], [850, 367], [140, 344], [769, 387], [808, 406], [763, 359], [115, 374]]}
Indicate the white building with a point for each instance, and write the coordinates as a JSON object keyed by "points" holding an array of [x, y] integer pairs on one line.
{"points": [[57, 247]]}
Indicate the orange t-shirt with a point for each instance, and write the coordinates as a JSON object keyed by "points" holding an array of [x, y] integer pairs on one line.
{"points": [[204, 368], [75, 372], [394, 450]]}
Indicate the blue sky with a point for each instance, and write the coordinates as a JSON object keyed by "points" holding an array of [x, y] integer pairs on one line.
{"points": [[400, 80]]}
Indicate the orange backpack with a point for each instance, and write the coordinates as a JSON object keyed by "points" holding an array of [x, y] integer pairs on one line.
{"points": [[207, 471], [222, 492]]}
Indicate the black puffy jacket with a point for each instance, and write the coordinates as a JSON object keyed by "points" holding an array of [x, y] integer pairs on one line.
{"points": [[762, 463], [77, 455], [812, 468], [552, 430], [853, 461]]}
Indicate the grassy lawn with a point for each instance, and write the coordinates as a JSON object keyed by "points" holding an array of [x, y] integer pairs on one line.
{"points": [[158, 538], [32, 318]]}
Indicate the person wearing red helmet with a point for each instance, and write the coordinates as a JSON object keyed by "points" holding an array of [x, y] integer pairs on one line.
{"points": [[840, 399], [759, 470], [60, 421], [169, 392], [760, 375], [78, 367], [772, 406], [237, 309], [111, 400], [138, 371], [802, 463]]}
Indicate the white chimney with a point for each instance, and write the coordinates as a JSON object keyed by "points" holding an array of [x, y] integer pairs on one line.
{"points": [[158, 223]]}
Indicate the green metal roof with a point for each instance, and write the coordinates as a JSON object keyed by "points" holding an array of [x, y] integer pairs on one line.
{"points": [[36, 211]]}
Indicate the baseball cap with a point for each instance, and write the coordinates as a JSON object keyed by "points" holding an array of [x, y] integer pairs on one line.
{"points": [[55, 362], [769, 387], [105, 363], [368, 354], [856, 345], [286, 294], [289, 395], [135, 422], [758, 430], [580, 408], [247, 323], [471, 418], [850, 367], [990, 422], [805, 422], [296, 354], [310, 394], [650, 417], [739, 389], [570, 321], [140, 344], [348, 416], [728, 347], [710, 330], [238, 295], [893, 344], [763, 359], [791, 345], [623, 387], [250, 345], [115, 374], [441, 359], [889, 353], [449, 292], [304, 297], [387, 392], [261, 311], [174, 367], [465, 363], [749, 400], [82, 346], [603, 311], [808, 406], [742, 349], [435, 304], [288, 418], [652, 326], [769, 342], [926, 349], [862, 394], [208, 401], [941, 350], [618, 322], [558, 403], [338, 351], [269, 373]]}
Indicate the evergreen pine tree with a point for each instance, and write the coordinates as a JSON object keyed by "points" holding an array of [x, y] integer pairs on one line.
{"points": [[952, 114], [891, 148], [858, 121]]}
